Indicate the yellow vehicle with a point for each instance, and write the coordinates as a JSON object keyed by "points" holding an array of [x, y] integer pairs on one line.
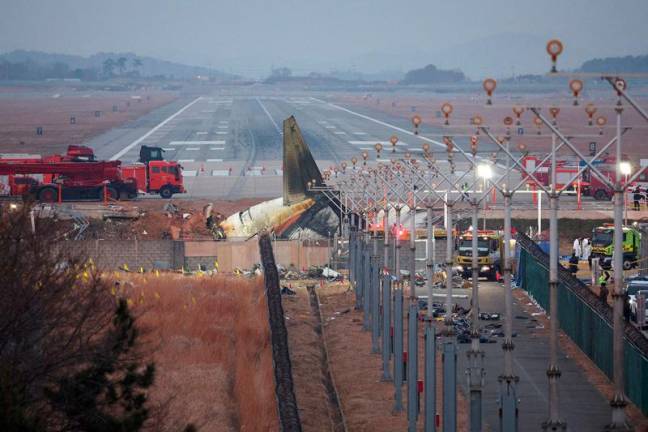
{"points": [[488, 249]]}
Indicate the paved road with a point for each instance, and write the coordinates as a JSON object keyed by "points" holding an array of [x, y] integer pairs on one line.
{"points": [[581, 405], [221, 137]]}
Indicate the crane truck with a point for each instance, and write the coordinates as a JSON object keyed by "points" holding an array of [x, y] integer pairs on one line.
{"points": [[78, 175]]}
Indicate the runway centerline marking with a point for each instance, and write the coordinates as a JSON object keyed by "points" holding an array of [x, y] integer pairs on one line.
{"points": [[126, 149], [279, 131]]}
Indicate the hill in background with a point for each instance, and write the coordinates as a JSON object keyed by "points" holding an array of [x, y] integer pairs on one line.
{"points": [[37, 65]]}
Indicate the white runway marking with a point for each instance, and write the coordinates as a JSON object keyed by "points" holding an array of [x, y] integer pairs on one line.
{"points": [[169, 149], [223, 121], [185, 160], [220, 173], [222, 127], [269, 116], [216, 148], [189, 173], [201, 133], [126, 149], [359, 133], [340, 133], [214, 160], [217, 142], [385, 144], [192, 148], [331, 127], [221, 132]]}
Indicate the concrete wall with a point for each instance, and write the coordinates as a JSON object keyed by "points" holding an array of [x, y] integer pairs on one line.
{"points": [[171, 254]]}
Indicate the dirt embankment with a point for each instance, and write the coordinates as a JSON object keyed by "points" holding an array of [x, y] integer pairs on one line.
{"points": [[211, 345]]}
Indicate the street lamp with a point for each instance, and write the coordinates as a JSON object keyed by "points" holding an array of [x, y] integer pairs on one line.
{"points": [[625, 169]]}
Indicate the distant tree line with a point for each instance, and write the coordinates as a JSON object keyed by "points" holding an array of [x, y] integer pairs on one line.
{"points": [[29, 70], [617, 64], [430, 74]]}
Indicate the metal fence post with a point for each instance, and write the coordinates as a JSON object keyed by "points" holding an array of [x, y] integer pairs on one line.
{"points": [[412, 366], [375, 304], [398, 347], [386, 332], [430, 378], [449, 386], [366, 288]]}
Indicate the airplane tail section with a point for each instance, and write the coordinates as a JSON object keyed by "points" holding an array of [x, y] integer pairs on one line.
{"points": [[299, 167]]}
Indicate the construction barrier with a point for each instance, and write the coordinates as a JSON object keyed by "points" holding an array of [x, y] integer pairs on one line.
{"points": [[585, 319]]}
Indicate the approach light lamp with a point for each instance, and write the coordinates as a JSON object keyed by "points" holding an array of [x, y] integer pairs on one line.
{"points": [[365, 155], [576, 87], [447, 109], [354, 161], [378, 147], [489, 86], [393, 140], [554, 49], [426, 148], [518, 111], [590, 110], [416, 121], [625, 168], [601, 121], [620, 85], [474, 140], [449, 144], [344, 166], [554, 111], [538, 122], [522, 147], [484, 171]]}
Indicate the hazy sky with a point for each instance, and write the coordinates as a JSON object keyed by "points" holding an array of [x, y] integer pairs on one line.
{"points": [[249, 36]]}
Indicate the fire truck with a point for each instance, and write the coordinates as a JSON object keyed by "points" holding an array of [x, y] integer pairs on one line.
{"points": [[78, 175], [488, 253], [588, 184]]}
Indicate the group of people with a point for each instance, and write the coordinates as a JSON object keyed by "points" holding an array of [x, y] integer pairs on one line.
{"points": [[639, 195]]}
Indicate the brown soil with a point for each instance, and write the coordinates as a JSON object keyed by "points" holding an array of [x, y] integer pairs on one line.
{"points": [[367, 402], [306, 360], [156, 223], [51, 109], [211, 345]]}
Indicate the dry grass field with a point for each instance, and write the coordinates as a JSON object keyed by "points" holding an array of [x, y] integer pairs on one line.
{"points": [[211, 344]]}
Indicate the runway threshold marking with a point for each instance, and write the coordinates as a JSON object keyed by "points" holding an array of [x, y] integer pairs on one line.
{"points": [[215, 142], [279, 131], [126, 149]]}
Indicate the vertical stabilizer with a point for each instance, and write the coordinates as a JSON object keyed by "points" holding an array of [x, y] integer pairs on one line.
{"points": [[299, 167]]}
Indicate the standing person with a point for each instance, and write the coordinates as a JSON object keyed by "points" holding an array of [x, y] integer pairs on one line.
{"points": [[464, 192], [587, 249], [603, 280], [636, 197], [573, 264], [577, 247]]}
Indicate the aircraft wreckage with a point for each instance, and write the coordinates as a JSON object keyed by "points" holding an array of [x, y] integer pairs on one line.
{"points": [[300, 213]]}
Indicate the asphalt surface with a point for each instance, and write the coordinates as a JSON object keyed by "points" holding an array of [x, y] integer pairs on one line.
{"points": [[231, 144], [581, 405]]}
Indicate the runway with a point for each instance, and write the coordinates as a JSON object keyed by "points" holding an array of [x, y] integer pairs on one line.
{"points": [[231, 145]]}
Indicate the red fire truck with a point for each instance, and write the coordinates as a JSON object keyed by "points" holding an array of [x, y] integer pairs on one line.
{"points": [[78, 175]]}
